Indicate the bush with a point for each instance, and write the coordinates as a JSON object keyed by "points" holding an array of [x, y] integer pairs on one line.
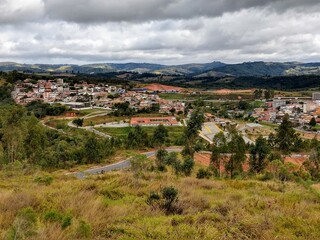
{"points": [[170, 197], [166, 201], [84, 230], [53, 216], [46, 180], [187, 165], [24, 225], [203, 173], [66, 221], [153, 199], [265, 177]]}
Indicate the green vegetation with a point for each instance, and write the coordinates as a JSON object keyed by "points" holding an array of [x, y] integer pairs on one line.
{"points": [[40, 109], [191, 131], [168, 196], [23, 138], [203, 96], [174, 133], [78, 122], [155, 206], [108, 118]]}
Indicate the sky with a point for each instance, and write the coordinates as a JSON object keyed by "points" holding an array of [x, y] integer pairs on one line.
{"points": [[159, 31]]}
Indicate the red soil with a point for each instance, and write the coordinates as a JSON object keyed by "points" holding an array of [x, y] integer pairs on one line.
{"points": [[162, 88]]}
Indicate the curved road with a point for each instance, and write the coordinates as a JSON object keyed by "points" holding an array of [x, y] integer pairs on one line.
{"points": [[117, 166]]}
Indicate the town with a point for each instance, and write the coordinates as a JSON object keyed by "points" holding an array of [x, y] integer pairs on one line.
{"points": [[82, 96], [302, 111]]}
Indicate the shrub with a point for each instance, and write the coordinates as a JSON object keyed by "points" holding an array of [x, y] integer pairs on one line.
{"points": [[53, 216], [139, 165], [265, 177], [170, 196], [153, 199], [66, 221], [84, 230], [24, 225], [166, 201], [203, 173], [46, 180], [187, 165]]}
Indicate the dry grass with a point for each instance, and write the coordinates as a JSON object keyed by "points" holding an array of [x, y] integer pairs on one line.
{"points": [[114, 206]]}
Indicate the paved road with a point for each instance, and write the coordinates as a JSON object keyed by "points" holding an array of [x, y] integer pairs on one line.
{"points": [[117, 166], [209, 130]]}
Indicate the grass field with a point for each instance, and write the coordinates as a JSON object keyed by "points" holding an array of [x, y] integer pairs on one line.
{"points": [[175, 133], [38, 205], [108, 118], [203, 96]]}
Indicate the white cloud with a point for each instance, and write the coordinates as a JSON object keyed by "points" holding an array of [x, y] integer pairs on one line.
{"points": [[160, 31]]}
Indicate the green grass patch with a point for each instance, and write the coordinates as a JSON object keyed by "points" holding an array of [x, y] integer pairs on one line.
{"points": [[108, 119], [175, 133]]}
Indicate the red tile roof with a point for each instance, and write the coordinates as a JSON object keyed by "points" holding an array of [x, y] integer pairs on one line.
{"points": [[154, 121]]}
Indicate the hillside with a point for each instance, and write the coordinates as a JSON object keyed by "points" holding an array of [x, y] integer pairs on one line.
{"points": [[36, 205], [214, 69]]}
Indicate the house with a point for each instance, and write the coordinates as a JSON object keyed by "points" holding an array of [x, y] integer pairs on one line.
{"points": [[154, 121]]}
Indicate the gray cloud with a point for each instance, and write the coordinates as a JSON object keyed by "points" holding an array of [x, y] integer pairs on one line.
{"points": [[161, 31], [99, 11], [84, 11]]}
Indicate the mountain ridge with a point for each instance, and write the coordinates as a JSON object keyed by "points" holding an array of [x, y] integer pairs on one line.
{"points": [[212, 69]]}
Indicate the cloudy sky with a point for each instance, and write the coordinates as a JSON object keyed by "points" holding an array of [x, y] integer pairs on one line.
{"points": [[159, 31]]}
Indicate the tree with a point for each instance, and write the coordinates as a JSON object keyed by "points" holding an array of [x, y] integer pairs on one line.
{"points": [[161, 156], [259, 154], [203, 173], [258, 94], [191, 132], [244, 105], [188, 165], [272, 140], [220, 146], [237, 148], [140, 164], [286, 136], [137, 138], [172, 111], [313, 122], [78, 122], [171, 158], [166, 200], [216, 160], [92, 149], [268, 94], [159, 136], [35, 142], [170, 197]]}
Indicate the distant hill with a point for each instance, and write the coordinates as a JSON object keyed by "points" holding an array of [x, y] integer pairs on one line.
{"points": [[214, 69]]}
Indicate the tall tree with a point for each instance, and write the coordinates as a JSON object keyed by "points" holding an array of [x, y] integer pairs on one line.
{"points": [[220, 146], [313, 122], [137, 138], [159, 136], [191, 132], [237, 147], [78, 122], [286, 135], [161, 156], [92, 149], [258, 94], [259, 153]]}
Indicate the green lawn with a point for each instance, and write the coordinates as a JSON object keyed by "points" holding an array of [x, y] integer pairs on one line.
{"points": [[175, 133], [108, 118], [181, 96]]}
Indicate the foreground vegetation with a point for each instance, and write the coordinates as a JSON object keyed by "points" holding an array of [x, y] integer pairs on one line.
{"points": [[35, 205]]}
